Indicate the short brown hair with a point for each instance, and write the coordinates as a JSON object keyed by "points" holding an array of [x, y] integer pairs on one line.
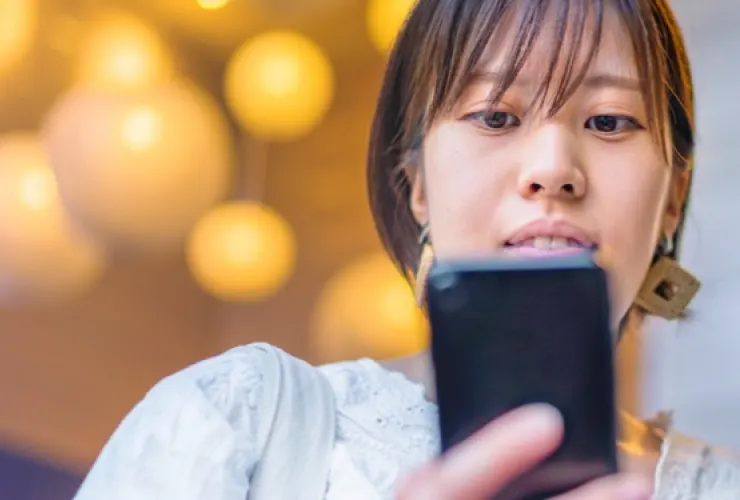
{"points": [[442, 44]]}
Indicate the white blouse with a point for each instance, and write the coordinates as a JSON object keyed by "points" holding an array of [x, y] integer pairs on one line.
{"points": [[194, 436]]}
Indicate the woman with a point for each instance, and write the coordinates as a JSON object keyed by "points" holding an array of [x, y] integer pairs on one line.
{"points": [[494, 114]]}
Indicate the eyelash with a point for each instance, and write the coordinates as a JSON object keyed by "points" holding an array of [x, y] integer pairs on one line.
{"points": [[623, 123], [481, 117]]}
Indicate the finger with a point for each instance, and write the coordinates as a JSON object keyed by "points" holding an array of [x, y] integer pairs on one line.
{"points": [[493, 457], [420, 484], [509, 446], [616, 487]]}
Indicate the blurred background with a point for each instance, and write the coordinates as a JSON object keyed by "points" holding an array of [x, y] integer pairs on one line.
{"points": [[178, 177]]}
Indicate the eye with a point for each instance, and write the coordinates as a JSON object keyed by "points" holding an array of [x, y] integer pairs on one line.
{"points": [[612, 124], [495, 120]]}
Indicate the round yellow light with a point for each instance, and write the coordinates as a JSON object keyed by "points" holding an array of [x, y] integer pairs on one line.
{"points": [[368, 309], [385, 18], [138, 169], [122, 53], [241, 251], [213, 4], [42, 257], [279, 86], [18, 24]]}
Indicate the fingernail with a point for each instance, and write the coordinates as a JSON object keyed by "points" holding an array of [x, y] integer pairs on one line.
{"points": [[636, 488], [541, 417]]}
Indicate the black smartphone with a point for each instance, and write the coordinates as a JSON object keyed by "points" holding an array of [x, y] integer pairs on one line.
{"points": [[506, 333]]}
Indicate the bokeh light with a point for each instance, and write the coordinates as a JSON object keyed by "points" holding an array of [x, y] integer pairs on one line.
{"points": [[18, 27], [136, 170], [279, 85], [213, 4], [367, 309], [43, 258], [122, 53], [242, 251], [385, 18]]}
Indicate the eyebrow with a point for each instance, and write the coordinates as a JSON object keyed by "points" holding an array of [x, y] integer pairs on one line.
{"points": [[595, 81]]}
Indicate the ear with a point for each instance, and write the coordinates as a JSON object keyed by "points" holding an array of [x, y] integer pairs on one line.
{"points": [[417, 194], [678, 191]]}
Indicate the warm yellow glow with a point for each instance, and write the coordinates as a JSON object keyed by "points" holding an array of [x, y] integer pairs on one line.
{"points": [[42, 257], [121, 53], [37, 187], [213, 4], [141, 128], [241, 251], [138, 169], [385, 19], [65, 34], [18, 25], [367, 309], [280, 86]]}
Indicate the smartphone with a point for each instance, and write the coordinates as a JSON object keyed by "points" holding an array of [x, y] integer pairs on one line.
{"points": [[506, 333]]}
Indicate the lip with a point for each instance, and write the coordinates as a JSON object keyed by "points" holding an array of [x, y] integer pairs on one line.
{"points": [[553, 229], [529, 252]]}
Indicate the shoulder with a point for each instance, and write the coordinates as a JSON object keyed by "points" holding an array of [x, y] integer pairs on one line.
{"points": [[232, 381], [200, 429], [218, 398], [222, 380]]}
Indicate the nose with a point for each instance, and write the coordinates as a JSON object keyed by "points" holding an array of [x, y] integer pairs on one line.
{"points": [[552, 168]]}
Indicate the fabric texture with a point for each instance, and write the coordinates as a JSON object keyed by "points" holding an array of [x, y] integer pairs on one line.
{"points": [[200, 435]]}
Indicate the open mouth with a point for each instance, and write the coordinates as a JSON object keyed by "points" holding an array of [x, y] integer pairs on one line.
{"points": [[546, 237], [548, 246]]}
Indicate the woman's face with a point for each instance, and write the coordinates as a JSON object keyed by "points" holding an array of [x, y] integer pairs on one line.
{"points": [[513, 180]]}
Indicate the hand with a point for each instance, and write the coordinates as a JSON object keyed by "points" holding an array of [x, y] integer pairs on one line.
{"points": [[511, 445]]}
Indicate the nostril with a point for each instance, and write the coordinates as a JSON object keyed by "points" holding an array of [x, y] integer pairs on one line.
{"points": [[568, 188], [535, 188]]}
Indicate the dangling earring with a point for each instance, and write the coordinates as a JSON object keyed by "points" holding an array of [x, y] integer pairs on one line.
{"points": [[668, 288], [425, 265]]}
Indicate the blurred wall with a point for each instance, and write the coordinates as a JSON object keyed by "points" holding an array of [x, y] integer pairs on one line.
{"points": [[68, 375], [693, 366]]}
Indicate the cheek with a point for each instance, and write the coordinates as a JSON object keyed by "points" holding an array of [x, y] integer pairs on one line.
{"points": [[466, 186], [632, 208]]}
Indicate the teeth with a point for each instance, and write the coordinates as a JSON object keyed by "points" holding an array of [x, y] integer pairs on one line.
{"points": [[549, 243], [542, 243], [557, 243]]}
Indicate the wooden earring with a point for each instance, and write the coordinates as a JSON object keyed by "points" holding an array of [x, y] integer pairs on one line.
{"points": [[668, 288], [425, 265]]}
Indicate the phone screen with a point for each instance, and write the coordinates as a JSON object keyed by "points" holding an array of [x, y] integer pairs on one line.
{"points": [[508, 333]]}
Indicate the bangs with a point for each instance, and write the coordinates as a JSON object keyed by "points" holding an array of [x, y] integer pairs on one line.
{"points": [[519, 29], [571, 30]]}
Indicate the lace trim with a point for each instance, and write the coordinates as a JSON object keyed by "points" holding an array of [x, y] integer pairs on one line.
{"points": [[690, 469], [384, 421]]}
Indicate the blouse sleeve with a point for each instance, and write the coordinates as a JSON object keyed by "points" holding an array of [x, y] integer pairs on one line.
{"points": [[692, 470], [194, 436]]}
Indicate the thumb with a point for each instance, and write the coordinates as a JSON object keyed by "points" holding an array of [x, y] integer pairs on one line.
{"points": [[490, 459]]}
